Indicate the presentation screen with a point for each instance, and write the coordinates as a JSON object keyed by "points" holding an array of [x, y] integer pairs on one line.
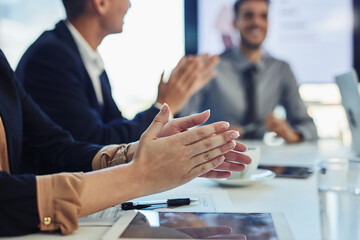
{"points": [[314, 37]]}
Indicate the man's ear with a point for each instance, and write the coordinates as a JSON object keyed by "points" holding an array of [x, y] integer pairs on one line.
{"points": [[100, 6]]}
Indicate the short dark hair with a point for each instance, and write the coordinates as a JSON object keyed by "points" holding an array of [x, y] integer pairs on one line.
{"points": [[238, 3], [74, 8]]}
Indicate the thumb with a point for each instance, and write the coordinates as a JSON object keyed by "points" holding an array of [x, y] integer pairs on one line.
{"points": [[155, 128]]}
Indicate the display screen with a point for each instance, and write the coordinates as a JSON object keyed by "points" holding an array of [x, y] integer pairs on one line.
{"points": [[191, 225]]}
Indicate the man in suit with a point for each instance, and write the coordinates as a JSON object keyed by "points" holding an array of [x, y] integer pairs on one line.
{"points": [[251, 83], [64, 73], [166, 156]]}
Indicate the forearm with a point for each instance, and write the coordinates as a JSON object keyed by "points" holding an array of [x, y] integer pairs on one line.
{"points": [[108, 187], [65, 197], [307, 130]]}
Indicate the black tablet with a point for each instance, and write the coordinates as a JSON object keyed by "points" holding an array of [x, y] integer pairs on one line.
{"points": [[289, 171], [199, 225]]}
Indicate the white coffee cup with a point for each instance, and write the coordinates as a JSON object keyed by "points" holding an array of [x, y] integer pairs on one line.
{"points": [[254, 153]]}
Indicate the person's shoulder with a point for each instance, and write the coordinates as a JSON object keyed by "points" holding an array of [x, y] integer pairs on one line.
{"points": [[227, 59], [228, 54], [56, 41], [281, 64], [49, 51], [47, 43], [49, 48]]}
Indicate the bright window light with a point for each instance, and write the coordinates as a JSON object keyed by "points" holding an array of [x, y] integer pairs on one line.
{"points": [[152, 42]]}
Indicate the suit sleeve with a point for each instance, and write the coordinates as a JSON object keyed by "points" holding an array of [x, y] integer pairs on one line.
{"points": [[57, 81], [296, 111], [18, 206], [55, 146]]}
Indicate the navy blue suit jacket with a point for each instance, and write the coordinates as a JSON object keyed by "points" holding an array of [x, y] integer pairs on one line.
{"points": [[53, 73], [26, 126]]}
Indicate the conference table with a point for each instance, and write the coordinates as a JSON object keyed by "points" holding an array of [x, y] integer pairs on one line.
{"points": [[297, 199]]}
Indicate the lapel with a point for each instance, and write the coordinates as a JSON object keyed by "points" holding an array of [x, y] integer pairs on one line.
{"points": [[105, 87], [64, 35], [10, 111], [110, 109]]}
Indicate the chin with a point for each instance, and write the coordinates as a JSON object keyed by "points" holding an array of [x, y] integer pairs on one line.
{"points": [[252, 44]]}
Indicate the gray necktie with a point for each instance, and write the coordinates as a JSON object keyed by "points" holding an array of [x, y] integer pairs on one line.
{"points": [[250, 118], [250, 81]]}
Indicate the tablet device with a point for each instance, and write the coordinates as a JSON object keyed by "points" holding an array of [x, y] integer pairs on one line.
{"points": [[289, 171], [199, 225]]}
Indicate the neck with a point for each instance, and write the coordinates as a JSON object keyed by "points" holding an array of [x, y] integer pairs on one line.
{"points": [[90, 29], [252, 54]]}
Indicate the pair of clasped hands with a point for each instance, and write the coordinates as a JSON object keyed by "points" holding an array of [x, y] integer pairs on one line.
{"points": [[171, 153]]}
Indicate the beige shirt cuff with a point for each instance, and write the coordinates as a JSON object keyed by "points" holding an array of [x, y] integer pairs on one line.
{"points": [[58, 200], [58, 195], [105, 154]]}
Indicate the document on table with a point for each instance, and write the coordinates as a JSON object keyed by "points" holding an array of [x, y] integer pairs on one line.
{"points": [[214, 201]]}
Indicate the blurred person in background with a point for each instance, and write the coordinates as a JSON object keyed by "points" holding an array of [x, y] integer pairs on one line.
{"points": [[250, 84], [64, 73]]}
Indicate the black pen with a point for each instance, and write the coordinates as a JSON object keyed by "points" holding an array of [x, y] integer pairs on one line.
{"points": [[169, 202]]}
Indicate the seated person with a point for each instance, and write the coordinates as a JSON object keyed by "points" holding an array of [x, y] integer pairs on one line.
{"points": [[166, 156], [64, 73], [250, 84]]}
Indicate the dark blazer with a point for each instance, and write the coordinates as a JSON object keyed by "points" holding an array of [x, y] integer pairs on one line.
{"points": [[26, 126], [53, 73]]}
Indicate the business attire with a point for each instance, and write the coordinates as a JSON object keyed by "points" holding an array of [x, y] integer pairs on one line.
{"points": [[30, 203], [66, 78], [244, 94]]}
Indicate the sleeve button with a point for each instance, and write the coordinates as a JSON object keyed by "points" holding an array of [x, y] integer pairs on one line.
{"points": [[47, 220]]}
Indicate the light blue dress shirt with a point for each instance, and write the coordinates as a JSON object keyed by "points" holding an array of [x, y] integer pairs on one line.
{"points": [[275, 85]]}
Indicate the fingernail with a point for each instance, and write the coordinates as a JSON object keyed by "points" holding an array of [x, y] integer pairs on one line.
{"points": [[230, 144], [206, 110], [225, 126], [235, 135], [221, 158], [164, 108]]}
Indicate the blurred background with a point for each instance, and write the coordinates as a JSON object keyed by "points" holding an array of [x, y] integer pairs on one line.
{"points": [[319, 38]]}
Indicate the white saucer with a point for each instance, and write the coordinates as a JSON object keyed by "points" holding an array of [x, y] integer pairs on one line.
{"points": [[257, 177]]}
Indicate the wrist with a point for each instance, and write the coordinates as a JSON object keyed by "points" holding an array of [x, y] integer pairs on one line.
{"points": [[131, 150], [136, 177], [294, 137], [120, 157]]}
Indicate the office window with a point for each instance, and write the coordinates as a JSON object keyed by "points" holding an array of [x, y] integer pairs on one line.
{"points": [[22, 21], [152, 41]]}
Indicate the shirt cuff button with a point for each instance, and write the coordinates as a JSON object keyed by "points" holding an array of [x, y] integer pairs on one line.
{"points": [[47, 220]]}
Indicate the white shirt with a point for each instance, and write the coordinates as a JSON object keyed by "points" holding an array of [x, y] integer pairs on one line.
{"points": [[93, 63], [92, 60]]}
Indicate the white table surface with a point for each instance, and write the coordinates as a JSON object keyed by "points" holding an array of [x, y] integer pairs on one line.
{"points": [[296, 198]]}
